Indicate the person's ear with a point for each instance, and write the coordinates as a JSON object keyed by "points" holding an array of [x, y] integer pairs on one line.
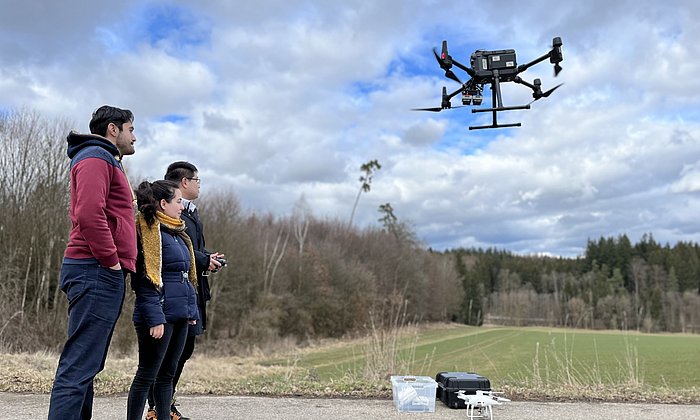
{"points": [[162, 203]]}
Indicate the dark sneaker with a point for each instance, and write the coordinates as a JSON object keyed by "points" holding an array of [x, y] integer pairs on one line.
{"points": [[176, 415]]}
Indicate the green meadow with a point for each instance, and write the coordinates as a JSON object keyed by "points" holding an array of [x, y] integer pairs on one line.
{"points": [[522, 358]]}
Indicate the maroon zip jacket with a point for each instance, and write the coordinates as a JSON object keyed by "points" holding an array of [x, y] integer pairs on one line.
{"points": [[101, 207]]}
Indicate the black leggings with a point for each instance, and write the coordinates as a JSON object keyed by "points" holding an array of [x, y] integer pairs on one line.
{"points": [[158, 359], [186, 354]]}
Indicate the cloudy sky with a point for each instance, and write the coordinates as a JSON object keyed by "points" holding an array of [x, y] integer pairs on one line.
{"points": [[279, 100]]}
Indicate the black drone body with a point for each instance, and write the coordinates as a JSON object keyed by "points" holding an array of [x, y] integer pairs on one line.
{"points": [[494, 68]]}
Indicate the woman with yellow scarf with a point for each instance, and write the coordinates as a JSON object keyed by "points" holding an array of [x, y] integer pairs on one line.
{"points": [[166, 301]]}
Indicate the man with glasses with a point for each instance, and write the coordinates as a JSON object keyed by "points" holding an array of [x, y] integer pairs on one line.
{"points": [[101, 250], [185, 174]]}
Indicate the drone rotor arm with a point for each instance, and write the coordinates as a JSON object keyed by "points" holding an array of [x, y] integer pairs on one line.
{"points": [[555, 57], [520, 81], [455, 93], [523, 67], [471, 72], [536, 89]]}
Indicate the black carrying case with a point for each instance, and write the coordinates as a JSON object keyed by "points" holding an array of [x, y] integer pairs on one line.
{"points": [[451, 382]]}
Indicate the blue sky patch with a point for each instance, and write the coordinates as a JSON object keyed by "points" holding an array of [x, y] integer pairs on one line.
{"points": [[173, 118], [177, 26], [174, 29]]}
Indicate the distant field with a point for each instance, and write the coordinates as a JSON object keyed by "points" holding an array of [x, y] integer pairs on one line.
{"points": [[533, 355]]}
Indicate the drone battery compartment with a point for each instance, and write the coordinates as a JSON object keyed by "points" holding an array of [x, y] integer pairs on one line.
{"points": [[448, 383], [485, 62]]}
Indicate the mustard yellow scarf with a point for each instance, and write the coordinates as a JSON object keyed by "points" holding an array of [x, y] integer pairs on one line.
{"points": [[151, 245]]}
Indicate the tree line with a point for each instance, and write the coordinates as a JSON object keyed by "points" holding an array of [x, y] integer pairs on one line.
{"points": [[302, 277], [645, 286]]}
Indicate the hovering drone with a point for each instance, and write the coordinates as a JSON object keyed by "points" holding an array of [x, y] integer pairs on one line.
{"points": [[493, 67], [481, 403]]}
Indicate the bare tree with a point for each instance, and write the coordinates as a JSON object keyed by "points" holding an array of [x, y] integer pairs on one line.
{"points": [[33, 202], [300, 220], [369, 169], [272, 257]]}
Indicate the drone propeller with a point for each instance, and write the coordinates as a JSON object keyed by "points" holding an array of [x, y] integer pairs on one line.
{"points": [[445, 62], [450, 75], [437, 109], [445, 104], [557, 69], [537, 90], [549, 92], [496, 395]]}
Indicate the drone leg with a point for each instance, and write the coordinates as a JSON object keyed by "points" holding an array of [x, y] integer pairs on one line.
{"points": [[496, 99], [495, 108], [497, 88], [497, 105]]}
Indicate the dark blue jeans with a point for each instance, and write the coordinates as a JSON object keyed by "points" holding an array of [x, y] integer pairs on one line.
{"points": [[157, 365], [95, 298]]}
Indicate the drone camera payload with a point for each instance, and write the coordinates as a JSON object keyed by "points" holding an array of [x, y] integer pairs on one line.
{"points": [[471, 97], [493, 68]]}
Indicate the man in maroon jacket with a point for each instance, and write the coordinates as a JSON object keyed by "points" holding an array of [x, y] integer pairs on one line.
{"points": [[101, 249]]}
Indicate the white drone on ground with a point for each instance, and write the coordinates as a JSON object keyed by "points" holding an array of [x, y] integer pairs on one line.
{"points": [[479, 404]]}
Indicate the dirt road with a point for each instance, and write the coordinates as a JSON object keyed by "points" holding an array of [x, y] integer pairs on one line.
{"points": [[33, 406]]}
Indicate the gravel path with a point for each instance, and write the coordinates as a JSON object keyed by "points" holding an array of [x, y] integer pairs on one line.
{"points": [[34, 406]]}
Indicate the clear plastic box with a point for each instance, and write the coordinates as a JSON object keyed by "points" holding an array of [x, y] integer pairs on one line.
{"points": [[414, 393]]}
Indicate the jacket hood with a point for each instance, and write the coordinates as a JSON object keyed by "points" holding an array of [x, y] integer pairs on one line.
{"points": [[77, 142]]}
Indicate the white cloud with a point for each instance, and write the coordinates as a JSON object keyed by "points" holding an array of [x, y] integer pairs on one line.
{"points": [[282, 99], [689, 181]]}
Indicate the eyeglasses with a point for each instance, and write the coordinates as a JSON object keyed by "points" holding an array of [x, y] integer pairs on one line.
{"points": [[197, 180]]}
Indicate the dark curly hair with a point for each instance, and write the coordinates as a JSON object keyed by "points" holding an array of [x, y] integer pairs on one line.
{"points": [[149, 194], [109, 114]]}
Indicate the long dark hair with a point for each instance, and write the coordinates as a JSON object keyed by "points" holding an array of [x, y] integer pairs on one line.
{"points": [[149, 194]]}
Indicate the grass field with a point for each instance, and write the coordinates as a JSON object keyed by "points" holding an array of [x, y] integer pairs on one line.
{"points": [[552, 360], [526, 363]]}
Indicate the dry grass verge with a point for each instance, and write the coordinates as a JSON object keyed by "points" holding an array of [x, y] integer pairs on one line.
{"points": [[257, 375], [33, 373]]}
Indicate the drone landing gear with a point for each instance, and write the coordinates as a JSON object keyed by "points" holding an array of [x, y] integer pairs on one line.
{"points": [[481, 412], [497, 106]]}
